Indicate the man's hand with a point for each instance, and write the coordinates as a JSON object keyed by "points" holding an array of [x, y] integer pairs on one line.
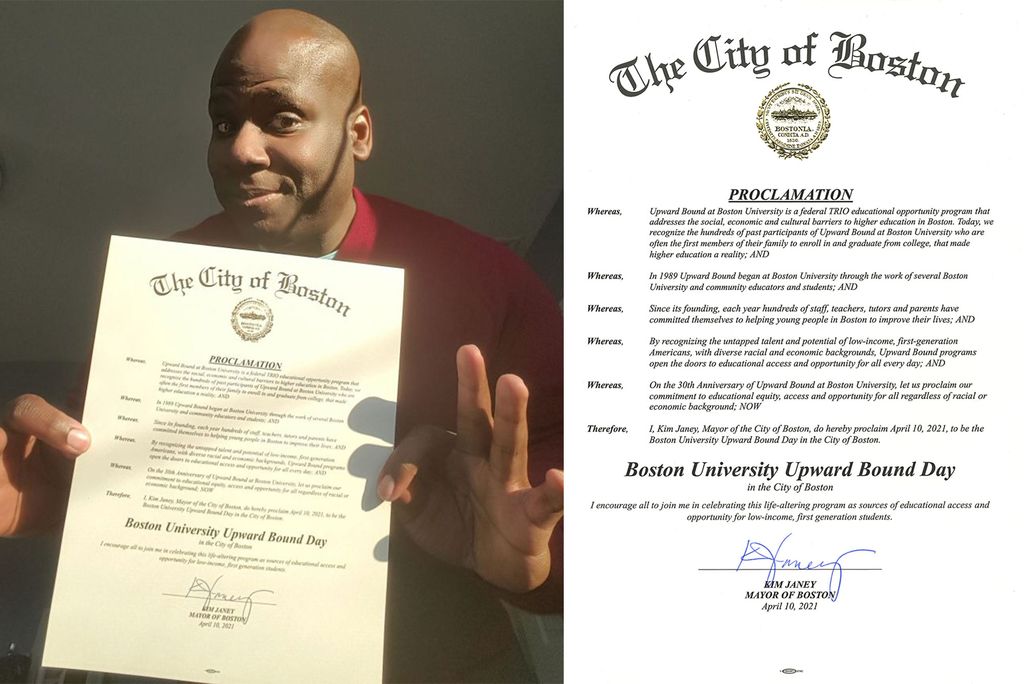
{"points": [[466, 498], [37, 445]]}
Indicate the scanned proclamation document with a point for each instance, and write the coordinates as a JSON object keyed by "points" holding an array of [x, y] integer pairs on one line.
{"points": [[225, 527], [793, 326]]}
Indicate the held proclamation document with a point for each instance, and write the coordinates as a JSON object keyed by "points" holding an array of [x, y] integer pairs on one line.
{"points": [[225, 527], [792, 311]]}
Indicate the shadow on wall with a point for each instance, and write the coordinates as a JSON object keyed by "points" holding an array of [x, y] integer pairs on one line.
{"points": [[546, 252]]}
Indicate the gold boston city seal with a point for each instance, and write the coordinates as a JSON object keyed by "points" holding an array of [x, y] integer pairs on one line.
{"points": [[252, 319], [793, 120]]}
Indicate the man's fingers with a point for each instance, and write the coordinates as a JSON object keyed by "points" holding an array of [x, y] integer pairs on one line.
{"points": [[396, 485], [33, 416], [545, 502], [473, 418], [400, 469], [508, 452]]}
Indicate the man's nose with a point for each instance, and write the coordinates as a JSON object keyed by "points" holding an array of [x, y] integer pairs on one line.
{"points": [[249, 146]]}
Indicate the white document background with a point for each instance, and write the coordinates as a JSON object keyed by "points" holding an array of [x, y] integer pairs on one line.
{"points": [[944, 604], [125, 599]]}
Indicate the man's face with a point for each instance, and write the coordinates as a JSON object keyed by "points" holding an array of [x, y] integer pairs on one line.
{"points": [[279, 154]]}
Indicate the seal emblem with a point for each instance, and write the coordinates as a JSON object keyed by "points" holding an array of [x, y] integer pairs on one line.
{"points": [[252, 319], [793, 120]]}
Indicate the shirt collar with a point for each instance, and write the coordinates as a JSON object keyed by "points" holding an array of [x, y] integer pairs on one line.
{"points": [[358, 243]]}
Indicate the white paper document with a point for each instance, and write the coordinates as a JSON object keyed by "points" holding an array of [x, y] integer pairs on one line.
{"points": [[792, 323], [224, 526]]}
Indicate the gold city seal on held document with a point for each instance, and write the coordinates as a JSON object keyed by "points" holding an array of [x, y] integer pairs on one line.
{"points": [[793, 120], [252, 319]]}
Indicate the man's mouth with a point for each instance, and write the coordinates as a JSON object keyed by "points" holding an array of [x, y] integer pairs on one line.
{"points": [[255, 197]]}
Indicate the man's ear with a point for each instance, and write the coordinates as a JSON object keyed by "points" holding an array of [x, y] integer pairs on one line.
{"points": [[361, 132]]}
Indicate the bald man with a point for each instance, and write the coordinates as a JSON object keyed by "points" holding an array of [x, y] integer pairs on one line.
{"points": [[288, 127], [477, 495]]}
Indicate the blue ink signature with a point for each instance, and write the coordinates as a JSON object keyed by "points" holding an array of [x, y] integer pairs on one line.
{"points": [[202, 589], [756, 551]]}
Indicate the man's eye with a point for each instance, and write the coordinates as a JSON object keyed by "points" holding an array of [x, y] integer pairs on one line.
{"points": [[283, 123], [223, 127]]}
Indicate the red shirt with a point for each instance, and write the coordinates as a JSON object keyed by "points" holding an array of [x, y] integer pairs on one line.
{"points": [[460, 288]]}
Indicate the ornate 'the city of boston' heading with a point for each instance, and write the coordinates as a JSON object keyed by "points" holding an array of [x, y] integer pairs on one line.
{"points": [[713, 54]]}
